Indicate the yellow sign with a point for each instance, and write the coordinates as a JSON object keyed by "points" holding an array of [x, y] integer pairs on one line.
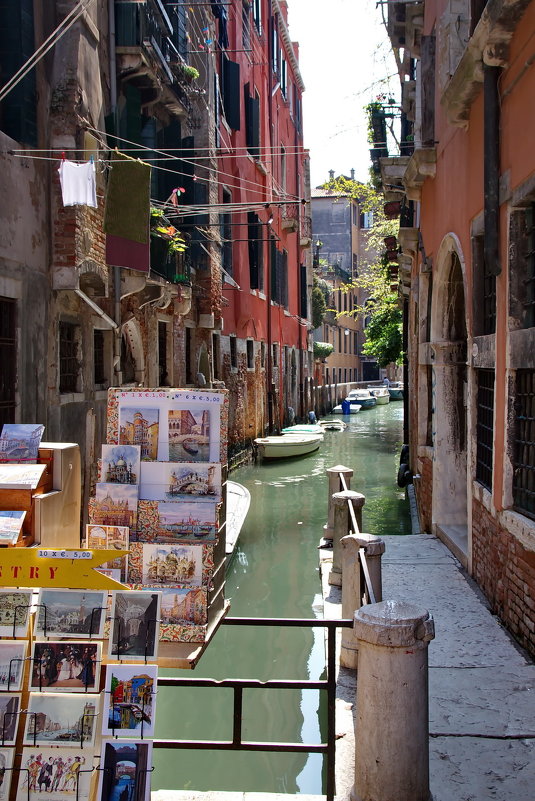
{"points": [[46, 567]]}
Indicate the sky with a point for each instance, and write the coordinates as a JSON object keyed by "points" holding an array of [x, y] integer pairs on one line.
{"points": [[345, 61]]}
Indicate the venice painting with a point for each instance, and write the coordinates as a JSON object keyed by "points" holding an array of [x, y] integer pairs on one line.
{"points": [[189, 435], [15, 612], [19, 442], [172, 564], [135, 620], [129, 701], [9, 717], [140, 426], [71, 613], [65, 666], [12, 663], [6, 763], [61, 719], [125, 770], [112, 538], [169, 481], [120, 464], [54, 774]]}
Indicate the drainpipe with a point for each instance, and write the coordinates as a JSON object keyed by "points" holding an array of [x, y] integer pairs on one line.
{"points": [[491, 168], [116, 270]]}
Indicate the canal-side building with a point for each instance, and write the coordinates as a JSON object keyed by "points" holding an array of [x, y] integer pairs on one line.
{"points": [[339, 228], [468, 281]]}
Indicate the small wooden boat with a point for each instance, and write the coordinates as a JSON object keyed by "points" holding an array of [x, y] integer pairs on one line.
{"points": [[288, 445], [190, 446], [381, 395], [303, 428], [333, 425], [238, 502]]}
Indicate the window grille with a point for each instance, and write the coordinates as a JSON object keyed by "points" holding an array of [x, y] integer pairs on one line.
{"points": [[524, 444], [485, 426], [529, 297], [250, 354], [99, 373], [69, 365], [8, 360]]}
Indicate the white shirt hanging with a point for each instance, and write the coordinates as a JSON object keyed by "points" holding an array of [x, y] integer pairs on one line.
{"points": [[78, 183]]}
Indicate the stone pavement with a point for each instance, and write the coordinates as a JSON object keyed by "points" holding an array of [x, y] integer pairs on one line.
{"points": [[481, 686]]}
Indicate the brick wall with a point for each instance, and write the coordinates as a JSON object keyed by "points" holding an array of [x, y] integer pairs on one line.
{"points": [[505, 571]]}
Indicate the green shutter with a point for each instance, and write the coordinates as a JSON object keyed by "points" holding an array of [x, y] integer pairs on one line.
{"points": [[231, 93]]}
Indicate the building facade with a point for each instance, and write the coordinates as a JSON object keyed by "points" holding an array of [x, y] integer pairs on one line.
{"points": [[467, 277]]}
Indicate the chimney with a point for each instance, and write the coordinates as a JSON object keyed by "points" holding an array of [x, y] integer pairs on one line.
{"points": [[331, 175], [352, 174]]}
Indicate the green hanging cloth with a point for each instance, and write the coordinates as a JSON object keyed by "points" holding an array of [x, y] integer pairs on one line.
{"points": [[127, 211]]}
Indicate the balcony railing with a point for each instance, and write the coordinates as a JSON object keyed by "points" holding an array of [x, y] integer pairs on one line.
{"points": [[174, 267]]}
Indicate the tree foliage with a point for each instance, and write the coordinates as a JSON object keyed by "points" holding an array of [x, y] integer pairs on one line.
{"points": [[320, 295], [380, 306]]}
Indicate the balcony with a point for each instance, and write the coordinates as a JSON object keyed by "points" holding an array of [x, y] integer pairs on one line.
{"points": [[405, 24], [290, 217], [422, 164], [306, 231], [173, 267], [392, 172]]}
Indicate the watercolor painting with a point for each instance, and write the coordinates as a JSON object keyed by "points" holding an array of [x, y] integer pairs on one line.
{"points": [[6, 763], [62, 719], [113, 538], [71, 613], [54, 774], [125, 770], [20, 442], [169, 481], [161, 522], [21, 476], [172, 564], [9, 717], [140, 426], [189, 435], [183, 606], [129, 701], [10, 526], [134, 625], [70, 666], [15, 612], [120, 464], [115, 505], [12, 663]]}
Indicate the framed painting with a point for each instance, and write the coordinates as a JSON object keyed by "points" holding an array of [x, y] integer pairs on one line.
{"points": [[71, 613], [65, 666], [129, 701], [61, 719]]}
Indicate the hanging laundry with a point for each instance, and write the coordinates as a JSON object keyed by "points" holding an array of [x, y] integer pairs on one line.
{"points": [[220, 12], [127, 210], [78, 183]]}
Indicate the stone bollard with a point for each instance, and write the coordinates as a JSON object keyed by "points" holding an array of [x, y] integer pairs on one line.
{"points": [[335, 485], [392, 723], [342, 526], [352, 589]]}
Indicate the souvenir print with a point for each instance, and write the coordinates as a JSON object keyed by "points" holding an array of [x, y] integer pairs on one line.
{"points": [[186, 481], [12, 663], [182, 606], [6, 774], [69, 666], [110, 537], [20, 442], [129, 701], [139, 425], [189, 435], [172, 564], [115, 505], [120, 464], [134, 625], [21, 476], [71, 613], [125, 770], [10, 526], [54, 774], [9, 717], [58, 718], [15, 612], [161, 522]]}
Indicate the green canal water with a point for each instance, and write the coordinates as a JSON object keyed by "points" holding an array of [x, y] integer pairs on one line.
{"points": [[274, 573]]}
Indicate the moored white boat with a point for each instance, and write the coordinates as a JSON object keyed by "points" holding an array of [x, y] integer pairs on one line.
{"points": [[363, 397], [381, 394], [303, 428], [238, 502], [353, 409], [333, 425], [396, 391], [287, 445]]}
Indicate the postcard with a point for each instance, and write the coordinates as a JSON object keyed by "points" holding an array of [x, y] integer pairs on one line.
{"points": [[20, 442], [6, 763], [12, 663], [189, 435], [70, 666], [110, 537], [9, 717], [115, 505], [120, 464], [172, 564], [169, 481], [135, 621], [71, 613], [125, 770], [62, 719], [139, 425], [183, 605], [21, 476], [10, 526], [15, 612], [129, 701], [162, 522], [55, 774]]}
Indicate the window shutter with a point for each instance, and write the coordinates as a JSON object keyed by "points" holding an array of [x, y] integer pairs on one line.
{"points": [[252, 234], [231, 93], [17, 43], [253, 126]]}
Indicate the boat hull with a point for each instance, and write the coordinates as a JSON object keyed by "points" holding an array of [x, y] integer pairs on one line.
{"points": [[352, 410], [395, 393], [303, 428], [381, 395], [288, 445], [238, 502]]}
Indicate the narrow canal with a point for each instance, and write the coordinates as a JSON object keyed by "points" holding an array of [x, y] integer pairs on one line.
{"points": [[274, 573]]}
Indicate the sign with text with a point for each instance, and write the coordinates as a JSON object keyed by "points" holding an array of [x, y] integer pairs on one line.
{"points": [[39, 567]]}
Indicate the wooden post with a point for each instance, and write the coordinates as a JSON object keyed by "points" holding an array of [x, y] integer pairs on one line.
{"points": [[343, 526], [335, 485]]}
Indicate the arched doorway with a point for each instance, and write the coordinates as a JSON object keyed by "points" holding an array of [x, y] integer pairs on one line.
{"points": [[448, 353]]}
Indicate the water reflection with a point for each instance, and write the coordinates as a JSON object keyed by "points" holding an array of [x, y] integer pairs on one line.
{"points": [[275, 574]]}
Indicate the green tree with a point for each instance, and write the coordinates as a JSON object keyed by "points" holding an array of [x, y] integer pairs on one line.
{"points": [[320, 293]]}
